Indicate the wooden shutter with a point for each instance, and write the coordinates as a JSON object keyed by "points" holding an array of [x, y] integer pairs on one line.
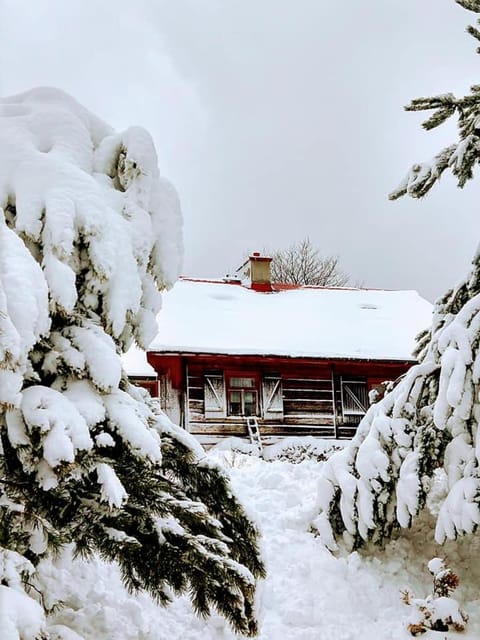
{"points": [[272, 396], [214, 396], [354, 397]]}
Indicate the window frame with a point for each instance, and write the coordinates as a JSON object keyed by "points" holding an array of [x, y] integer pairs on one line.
{"points": [[255, 389]]}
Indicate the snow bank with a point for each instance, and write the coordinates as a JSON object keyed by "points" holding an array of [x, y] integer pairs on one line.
{"points": [[308, 594]]}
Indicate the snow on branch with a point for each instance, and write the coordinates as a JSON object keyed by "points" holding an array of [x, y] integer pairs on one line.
{"points": [[461, 157], [89, 236], [424, 427], [471, 5]]}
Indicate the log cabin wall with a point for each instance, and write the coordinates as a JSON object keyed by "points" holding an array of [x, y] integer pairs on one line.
{"points": [[211, 395]]}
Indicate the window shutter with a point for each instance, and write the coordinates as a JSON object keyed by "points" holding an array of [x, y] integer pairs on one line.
{"points": [[272, 398], [354, 397], [214, 396]]}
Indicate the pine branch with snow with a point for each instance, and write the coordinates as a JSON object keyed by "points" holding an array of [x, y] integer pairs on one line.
{"points": [[460, 157], [89, 234], [425, 428]]}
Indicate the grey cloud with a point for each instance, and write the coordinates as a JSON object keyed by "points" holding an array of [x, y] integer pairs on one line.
{"points": [[275, 119]]}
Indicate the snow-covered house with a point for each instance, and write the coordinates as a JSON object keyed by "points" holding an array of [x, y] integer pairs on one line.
{"points": [[300, 359]]}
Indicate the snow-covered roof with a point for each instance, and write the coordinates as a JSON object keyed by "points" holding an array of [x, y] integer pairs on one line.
{"points": [[136, 365], [201, 316]]}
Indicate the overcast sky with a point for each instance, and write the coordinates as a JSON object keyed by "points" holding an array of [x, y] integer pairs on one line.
{"points": [[275, 119]]}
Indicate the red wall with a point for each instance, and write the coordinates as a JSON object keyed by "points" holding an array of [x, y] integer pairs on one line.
{"points": [[174, 366]]}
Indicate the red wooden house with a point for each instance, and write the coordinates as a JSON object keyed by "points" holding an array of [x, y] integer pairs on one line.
{"points": [[302, 360]]}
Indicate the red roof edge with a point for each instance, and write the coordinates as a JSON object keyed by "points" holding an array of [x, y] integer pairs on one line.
{"points": [[284, 286]]}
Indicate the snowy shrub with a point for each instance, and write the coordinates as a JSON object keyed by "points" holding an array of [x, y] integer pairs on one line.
{"points": [[89, 233], [429, 421], [438, 611], [234, 452], [296, 450], [292, 449]]}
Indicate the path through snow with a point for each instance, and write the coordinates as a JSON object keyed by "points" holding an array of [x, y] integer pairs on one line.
{"points": [[308, 594]]}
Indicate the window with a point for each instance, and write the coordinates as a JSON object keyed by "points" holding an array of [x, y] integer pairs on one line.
{"points": [[248, 383], [242, 395]]}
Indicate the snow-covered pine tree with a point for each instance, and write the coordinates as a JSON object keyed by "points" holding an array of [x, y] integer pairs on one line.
{"points": [[89, 232], [426, 430]]}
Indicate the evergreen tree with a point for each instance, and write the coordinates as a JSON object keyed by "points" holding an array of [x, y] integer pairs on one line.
{"points": [[425, 431], [89, 233]]}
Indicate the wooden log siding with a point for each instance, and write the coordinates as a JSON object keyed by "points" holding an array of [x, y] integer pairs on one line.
{"points": [[309, 392], [307, 398], [196, 393], [308, 406]]}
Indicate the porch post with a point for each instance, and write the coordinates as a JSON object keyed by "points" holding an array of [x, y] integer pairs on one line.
{"points": [[186, 396], [334, 400]]}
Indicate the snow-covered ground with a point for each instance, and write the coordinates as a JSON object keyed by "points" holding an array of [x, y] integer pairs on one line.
{"points": [[308, 594]]}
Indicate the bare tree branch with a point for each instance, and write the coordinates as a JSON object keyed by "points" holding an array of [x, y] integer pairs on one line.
{"points": [[302, 264]]}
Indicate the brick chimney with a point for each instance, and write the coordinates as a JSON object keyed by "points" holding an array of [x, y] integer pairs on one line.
{"points": [[260, 272]]}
